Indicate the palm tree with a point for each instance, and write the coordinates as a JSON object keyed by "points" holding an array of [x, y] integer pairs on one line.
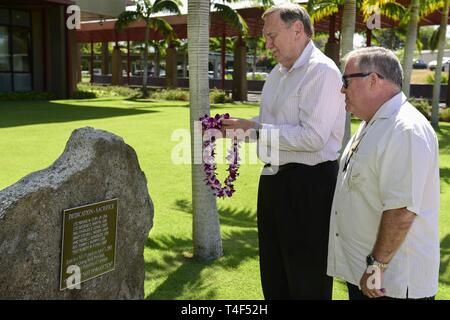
{"points": [[234, 20], [144, 10], [411, 37], [438, 73], [206, 228], [230, 15], [347, 33], [255, 43], [416, 10], [320, 9]]}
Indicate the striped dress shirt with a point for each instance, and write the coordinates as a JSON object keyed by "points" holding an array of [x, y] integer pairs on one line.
{"points": [[304, 107]]}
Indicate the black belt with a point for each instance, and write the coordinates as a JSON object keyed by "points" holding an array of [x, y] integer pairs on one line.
{"points": [[284, 167], [292, 165]]}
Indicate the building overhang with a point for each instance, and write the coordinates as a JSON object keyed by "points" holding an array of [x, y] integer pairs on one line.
{"points": [[100, 9], [90, 9]]}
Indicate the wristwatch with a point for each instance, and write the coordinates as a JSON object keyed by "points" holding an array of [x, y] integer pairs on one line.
{"points": [[371, 261]]}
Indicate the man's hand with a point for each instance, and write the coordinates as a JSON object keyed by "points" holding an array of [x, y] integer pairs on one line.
{"points": [[236, 123], [371, 282]]}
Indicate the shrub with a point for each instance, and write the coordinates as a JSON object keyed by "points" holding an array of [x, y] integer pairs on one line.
{"points": [[82, 94], [171, 94], [444, 115], [108, 91], [422, 105], [258, 76], [430, 79], [219, 96], [32, 95]]}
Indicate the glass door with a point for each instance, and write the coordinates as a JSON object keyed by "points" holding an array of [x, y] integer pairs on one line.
{"points": [[15, 51]]}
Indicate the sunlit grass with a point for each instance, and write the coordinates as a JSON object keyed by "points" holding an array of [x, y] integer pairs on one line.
{"points": [[33, 135]]}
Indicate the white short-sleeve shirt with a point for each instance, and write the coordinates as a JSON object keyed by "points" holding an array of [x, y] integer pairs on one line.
{"points": [[395, 166]]}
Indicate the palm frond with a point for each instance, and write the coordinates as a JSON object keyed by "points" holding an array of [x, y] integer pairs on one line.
{"points": [[264, 3], [434, 39], [233, 18], [172, 6], [310, 6], [387, 8], [162, 26], [127, 17], [429, 6], [319, 9], [214, 44], [426, 7], [393, 10], [419, 45]]}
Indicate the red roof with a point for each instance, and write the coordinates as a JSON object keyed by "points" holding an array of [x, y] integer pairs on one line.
{"points": [[105, 32]]}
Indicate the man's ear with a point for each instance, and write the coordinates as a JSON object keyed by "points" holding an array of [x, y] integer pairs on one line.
{"points": [[298, 27], [373, 79]]}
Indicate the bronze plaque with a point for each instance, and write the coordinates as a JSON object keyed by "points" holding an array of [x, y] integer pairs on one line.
{"points": [[88, 242]]}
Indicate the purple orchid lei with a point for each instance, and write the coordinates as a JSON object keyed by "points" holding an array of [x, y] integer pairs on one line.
{"points": [[208, 156]]}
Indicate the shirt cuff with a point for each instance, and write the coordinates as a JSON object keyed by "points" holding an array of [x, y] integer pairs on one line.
{"points": [[396, 204]]}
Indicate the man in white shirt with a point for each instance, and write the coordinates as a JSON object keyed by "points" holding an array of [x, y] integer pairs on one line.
{"points": [[384, 236], [302, 105]]}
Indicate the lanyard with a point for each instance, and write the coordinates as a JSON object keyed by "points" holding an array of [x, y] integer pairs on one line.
{"points": [[354, 147]]}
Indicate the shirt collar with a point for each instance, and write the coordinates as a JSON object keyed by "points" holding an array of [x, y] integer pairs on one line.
{"points": [[390, 107], [302, 59]]}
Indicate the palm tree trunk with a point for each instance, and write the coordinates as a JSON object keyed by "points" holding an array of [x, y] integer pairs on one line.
{"points": [[157, 59], [448, 89], [410, 46], [255, 52], [145, 61], [206, 228], [346, 45], [332, 45], [438, 72], [223, 68]]}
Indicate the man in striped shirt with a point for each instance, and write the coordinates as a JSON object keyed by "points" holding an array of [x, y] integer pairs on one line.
{"points": [[303, 108]]}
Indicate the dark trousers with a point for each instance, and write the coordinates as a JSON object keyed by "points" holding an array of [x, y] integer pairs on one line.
{"points": [[355, 294], [293, 222]]}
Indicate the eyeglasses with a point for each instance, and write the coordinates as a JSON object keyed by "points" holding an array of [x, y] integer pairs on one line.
{"points": [[345, 77]]}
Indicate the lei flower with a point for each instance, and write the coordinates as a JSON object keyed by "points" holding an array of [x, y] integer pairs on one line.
{"points": [[208, 156]]}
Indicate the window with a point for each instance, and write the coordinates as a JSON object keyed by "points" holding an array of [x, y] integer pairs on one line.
{"points": [[20, 18], [15, 51], [4, 16], [20, 41], [4, 49]]}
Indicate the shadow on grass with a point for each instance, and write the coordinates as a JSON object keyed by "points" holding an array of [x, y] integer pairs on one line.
{"points": [[156, 105], [231, 105], [184, 104], [445, 175], [233, 217], [19, 113], [182, 273], [444, 270], [443, 134]]}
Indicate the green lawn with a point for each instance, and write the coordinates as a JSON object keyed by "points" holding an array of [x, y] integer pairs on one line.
{"points": [[33, 135]]}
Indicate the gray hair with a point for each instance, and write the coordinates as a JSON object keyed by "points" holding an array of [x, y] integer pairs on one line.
{"points": [[380, 60], [289, 13]]}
